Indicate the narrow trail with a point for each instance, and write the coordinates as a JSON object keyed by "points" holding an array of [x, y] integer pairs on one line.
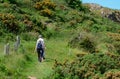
{"points": [[56, 49], [38, 70]]}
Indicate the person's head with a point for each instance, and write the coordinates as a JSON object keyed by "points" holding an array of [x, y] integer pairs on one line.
{"points": [[40, 36]]}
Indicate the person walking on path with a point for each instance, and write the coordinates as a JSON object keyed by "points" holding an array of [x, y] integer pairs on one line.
{"points": [[40, 48]]}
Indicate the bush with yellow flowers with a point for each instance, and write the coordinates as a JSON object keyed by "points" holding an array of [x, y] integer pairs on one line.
{"points": [[114, 36], [38, 5], [46, 7], [28, 25], [9, 22], [46, 12], [90, 66], [115, 40], [45, 4], [113, 74]]}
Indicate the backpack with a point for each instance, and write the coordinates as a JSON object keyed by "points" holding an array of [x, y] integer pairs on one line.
{"points": [[39, 45]]}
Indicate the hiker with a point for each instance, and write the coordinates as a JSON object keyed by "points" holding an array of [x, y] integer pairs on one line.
{"points": [[40, 48]]}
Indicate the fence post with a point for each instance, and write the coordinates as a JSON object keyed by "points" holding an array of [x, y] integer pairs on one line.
{"points": [[7, 49], [17, 43]]}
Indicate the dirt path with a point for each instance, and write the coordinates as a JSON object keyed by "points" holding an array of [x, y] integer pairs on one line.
{"points": [[38, 70]]}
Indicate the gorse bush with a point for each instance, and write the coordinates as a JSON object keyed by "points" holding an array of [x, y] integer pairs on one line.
{"points": [[115, 38], [112, 74], [47, 12], [9, 22], [86, 67], [28, 25], [84, 41], [46, 7], [45, 4]]}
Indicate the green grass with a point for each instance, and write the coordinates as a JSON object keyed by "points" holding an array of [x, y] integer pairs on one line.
{"points": [[1, 49], [56, 49]]}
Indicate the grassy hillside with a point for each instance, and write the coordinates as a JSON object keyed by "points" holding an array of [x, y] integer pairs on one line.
{"points": [[75, 39]]}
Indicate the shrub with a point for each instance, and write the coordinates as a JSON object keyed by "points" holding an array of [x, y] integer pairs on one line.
{"points": [[112, 74], [38, 5], [9, 22], [86, 67], [115, 38], [49, 4], [45, 4], [84, 41], [29, 25], [74, 3], [47, 12], [46, 7]]}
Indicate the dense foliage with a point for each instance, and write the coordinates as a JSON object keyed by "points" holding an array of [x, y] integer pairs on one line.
{"points": [[84, 41], [93, 66], [74, 3]]}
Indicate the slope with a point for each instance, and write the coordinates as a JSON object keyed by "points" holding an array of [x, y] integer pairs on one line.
{"points": [[58, 22], [56, 49]]}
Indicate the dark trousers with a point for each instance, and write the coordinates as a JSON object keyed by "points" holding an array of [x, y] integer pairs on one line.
{"points": [[40, 54]]}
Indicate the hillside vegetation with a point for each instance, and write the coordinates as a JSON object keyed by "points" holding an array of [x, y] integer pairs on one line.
{"points": [[80, 43]]}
